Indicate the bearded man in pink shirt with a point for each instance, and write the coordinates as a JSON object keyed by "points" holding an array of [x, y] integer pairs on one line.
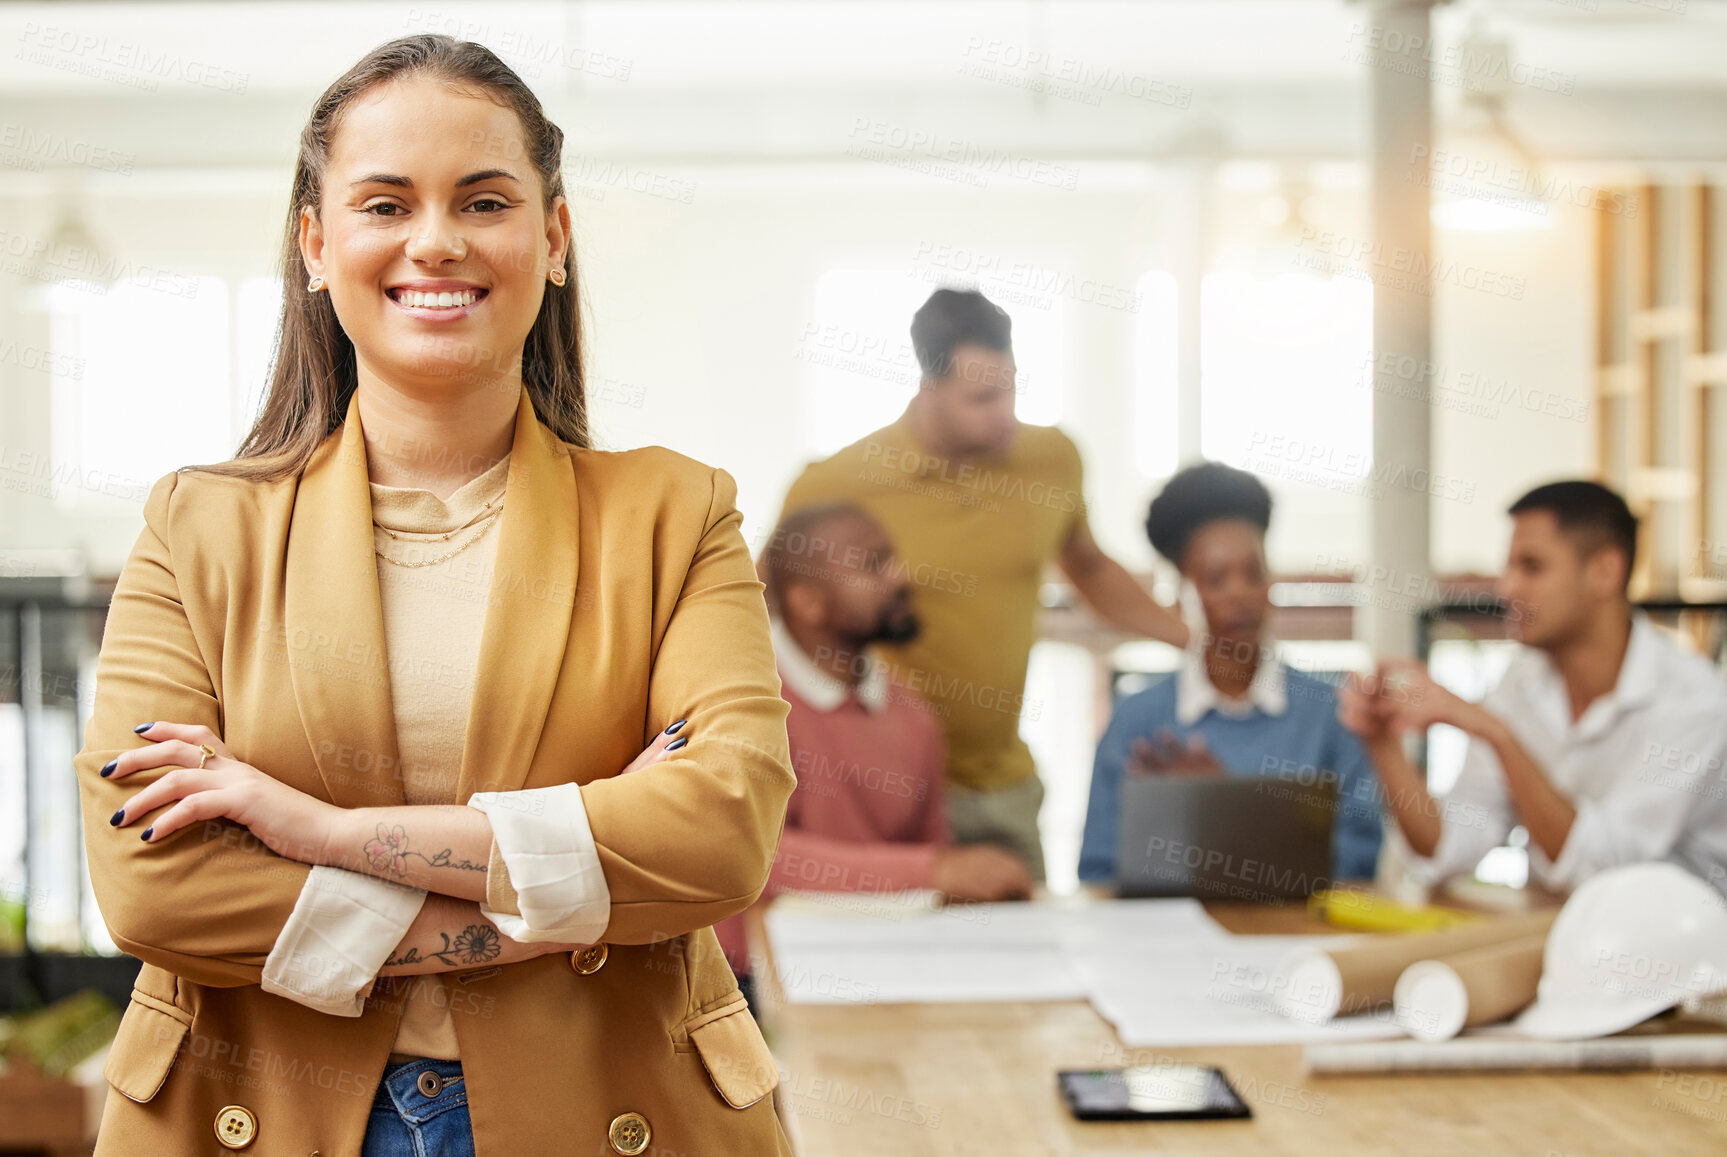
{"points": [[867, 815]]}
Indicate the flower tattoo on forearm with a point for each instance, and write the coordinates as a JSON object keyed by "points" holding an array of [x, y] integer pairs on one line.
{"points": [[389, 853], [475, 944]]}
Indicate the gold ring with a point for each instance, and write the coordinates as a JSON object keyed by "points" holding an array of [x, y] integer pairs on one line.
{"points": [[205, 748]]}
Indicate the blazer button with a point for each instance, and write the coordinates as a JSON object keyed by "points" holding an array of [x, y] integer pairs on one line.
{"points": [[587, 961], [235, 1126], [629, 1133]]}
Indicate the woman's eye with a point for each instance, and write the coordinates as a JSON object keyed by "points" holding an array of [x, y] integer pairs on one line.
{"points": [[372, 209], [489, 201]]}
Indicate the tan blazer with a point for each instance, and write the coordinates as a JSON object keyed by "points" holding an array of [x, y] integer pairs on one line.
{"points": [[624, 599]]}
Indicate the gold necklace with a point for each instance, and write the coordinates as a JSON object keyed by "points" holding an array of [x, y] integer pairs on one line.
{"points": [[483, 520], [486, 511], [442, 557]]}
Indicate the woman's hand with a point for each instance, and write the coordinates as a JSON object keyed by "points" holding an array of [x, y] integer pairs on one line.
{"points": [[289, 822], [657, 751]]}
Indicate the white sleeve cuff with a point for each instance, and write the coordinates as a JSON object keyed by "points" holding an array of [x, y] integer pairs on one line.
{"points": [[543, 836], [344, 926], [1576, 859], [1419, 869], [1465, 835]]}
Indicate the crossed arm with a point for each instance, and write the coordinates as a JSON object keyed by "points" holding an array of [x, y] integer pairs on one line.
{"points": [[443, 850], [217, 910], [451, 935]]}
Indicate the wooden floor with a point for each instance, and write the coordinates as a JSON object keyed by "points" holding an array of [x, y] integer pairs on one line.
{"points": [[956, 1079]]}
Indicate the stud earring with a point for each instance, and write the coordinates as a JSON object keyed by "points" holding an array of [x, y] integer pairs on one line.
{"points": [[315, 284], [556, 275]]}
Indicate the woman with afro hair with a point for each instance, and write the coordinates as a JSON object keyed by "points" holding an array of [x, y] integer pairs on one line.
{"points": [[1233, 707]]}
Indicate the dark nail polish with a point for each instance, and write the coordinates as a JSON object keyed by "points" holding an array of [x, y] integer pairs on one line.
{"points": [[146, 835], [673, 729], [142, 728], [114, 820], [108, 768], [677, 743]]}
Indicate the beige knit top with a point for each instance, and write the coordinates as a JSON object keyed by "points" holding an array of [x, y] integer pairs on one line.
{"points": [[433, 616]]}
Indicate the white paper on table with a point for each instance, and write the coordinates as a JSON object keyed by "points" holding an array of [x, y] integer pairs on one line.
{"points": [[1215, 992], [1162, 971], [834, 949], [801, 919], [1120, 925], [950, 975]]}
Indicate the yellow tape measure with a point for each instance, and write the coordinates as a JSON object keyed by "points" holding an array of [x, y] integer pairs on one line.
{"points": [[1367, 912]]}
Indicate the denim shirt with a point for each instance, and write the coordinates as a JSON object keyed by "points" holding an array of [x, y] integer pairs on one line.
{"points": [[1299, 745]]}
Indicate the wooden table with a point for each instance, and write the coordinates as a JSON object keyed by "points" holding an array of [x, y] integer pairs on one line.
{"points": [[911, 1080]]}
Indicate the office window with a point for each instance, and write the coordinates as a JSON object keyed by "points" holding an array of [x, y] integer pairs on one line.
{"points": [[1156, 392], [257, 310], [1471, 668], [859, 370], [1283, 361], [154, 393]]}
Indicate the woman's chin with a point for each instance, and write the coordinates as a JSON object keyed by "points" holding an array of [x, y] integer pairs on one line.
{"points": [[445, 359]]}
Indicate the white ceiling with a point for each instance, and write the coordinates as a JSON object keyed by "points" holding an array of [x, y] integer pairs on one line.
{"points": [[765, 82], [300, 45]]}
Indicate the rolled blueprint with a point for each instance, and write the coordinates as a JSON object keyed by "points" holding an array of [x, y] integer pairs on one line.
{"points": [[1482, 1053], [1361, 976], [1437, 999]]}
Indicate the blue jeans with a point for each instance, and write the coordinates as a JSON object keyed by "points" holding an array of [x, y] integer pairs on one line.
{"points": [[414, 1115]]}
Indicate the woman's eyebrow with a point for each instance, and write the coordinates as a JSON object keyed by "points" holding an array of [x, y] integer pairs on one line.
{"points": [[406, 183]]}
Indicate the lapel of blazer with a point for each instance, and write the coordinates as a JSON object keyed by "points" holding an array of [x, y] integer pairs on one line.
{"points": [[335, 622], [527, 627], [335, 625]]}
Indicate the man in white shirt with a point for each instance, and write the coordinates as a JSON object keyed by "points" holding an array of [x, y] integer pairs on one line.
{"points": [[1604, 739]]}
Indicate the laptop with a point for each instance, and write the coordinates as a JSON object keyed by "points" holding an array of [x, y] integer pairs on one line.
{"points": [[1252, 839]]}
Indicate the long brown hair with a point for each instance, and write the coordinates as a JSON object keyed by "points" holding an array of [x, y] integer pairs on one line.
{"points": [[312, 375]]}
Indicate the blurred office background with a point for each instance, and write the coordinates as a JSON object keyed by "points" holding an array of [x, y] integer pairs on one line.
{"points": [[1172, 198]]}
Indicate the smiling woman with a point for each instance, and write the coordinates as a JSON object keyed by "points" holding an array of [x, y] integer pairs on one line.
{"points": [[447, 711], [501, 238], [387, 213]]}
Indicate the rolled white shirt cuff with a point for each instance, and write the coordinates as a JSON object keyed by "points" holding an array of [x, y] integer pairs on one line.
{"points": [[343, 927], [1415, 867], [1577, 859], [543, 836], [1459, 849]]}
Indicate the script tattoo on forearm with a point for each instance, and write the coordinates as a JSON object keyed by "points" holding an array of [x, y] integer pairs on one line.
{"points": [[475, 944], [389, 852]]}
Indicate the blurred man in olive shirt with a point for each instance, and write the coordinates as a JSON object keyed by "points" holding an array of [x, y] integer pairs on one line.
{"points": [[977, 504]]}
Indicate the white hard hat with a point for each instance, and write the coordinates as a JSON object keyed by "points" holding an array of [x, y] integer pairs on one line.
{"points": [[1631, 942]]}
